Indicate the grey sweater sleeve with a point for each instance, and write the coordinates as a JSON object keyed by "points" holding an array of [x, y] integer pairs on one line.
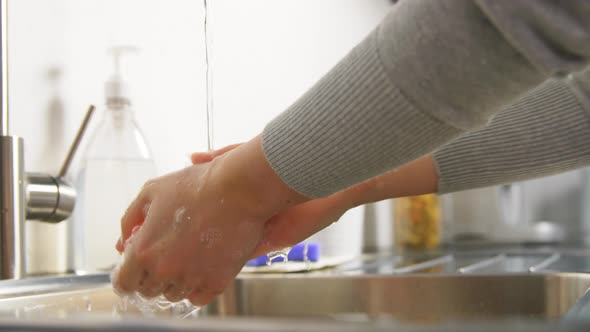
{"points": [[544, 133], [431, 71]]}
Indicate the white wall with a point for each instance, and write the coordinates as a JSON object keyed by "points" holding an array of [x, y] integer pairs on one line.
{"points": [[71, 36], [265, 54]]}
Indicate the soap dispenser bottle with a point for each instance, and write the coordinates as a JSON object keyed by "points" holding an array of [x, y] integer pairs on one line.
{"points": [[116, 164]]}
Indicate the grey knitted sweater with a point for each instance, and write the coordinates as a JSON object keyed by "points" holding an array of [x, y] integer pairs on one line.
{"points": [[479, 83]]}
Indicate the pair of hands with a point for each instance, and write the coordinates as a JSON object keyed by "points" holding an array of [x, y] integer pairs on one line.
{"points": [[193, 231]]}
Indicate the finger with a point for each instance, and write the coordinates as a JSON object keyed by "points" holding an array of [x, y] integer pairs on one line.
{"points": [[122, 245], [207, 289], [175, 292], [134, 274], [134, 231], [129, 277], [224, 150], [201, 157], [150, 287], [201, 298], [119, 245], [205, 157], [134, 216], [280, 232], [294, 225]]}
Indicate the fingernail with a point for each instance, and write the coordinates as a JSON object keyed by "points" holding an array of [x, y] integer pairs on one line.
{"points": [[119, 245], [135, 230]]}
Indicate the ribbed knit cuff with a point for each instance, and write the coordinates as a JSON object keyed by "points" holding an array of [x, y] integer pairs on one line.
{"points": [[544, 133], [354, 124]]}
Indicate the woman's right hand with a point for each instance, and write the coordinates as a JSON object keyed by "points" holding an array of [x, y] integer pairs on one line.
{"points": [[199, 226]]}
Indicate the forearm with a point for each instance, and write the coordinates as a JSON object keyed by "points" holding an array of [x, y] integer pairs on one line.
{"points": [[408, 89], [544, 133], [416, 178], [432, 71]]}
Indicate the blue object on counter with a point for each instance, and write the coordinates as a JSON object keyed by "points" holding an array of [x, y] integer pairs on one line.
{"points": [[297, 254], [258, 261]]}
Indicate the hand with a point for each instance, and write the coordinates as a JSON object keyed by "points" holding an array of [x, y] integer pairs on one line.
{"points": [[199, 226], [298, 223], [295, 224]]}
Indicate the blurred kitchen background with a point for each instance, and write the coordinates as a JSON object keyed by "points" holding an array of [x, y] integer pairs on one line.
{"points": [[265, 54]]}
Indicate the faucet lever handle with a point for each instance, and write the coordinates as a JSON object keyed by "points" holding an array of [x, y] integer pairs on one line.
{"points": [[74, 147], [49, 198]]}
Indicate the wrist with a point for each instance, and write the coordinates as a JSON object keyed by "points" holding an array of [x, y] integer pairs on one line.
{"points": [[416, 178], [356, 195], [245, 174]]}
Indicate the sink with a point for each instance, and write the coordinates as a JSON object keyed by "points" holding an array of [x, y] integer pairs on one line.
{"points": [[408, 298], [430, 290]]}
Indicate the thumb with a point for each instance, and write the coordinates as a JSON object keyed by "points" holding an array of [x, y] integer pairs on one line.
{"points": [[201, 157], [298, 223], [133, 217], [205, 157]]}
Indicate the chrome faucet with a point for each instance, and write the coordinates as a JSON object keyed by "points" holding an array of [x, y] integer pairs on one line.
{"points": [[23, 196]]}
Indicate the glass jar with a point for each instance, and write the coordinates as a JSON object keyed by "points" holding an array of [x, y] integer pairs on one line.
{"points": [[417, 222]]}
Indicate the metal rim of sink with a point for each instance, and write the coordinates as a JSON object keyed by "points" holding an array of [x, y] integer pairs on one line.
{"points": [[357, 297], [442, 285]]}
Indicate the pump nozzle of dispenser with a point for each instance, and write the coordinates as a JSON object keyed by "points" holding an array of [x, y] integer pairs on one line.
{"points": [[116, 88]]}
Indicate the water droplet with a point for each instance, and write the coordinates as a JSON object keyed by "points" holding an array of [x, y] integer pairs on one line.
{"points": [[154, 306], [273, 255], [306, 257], [88, 303], [285, 258], [193, 313], [179, 216], [211, 237]]}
